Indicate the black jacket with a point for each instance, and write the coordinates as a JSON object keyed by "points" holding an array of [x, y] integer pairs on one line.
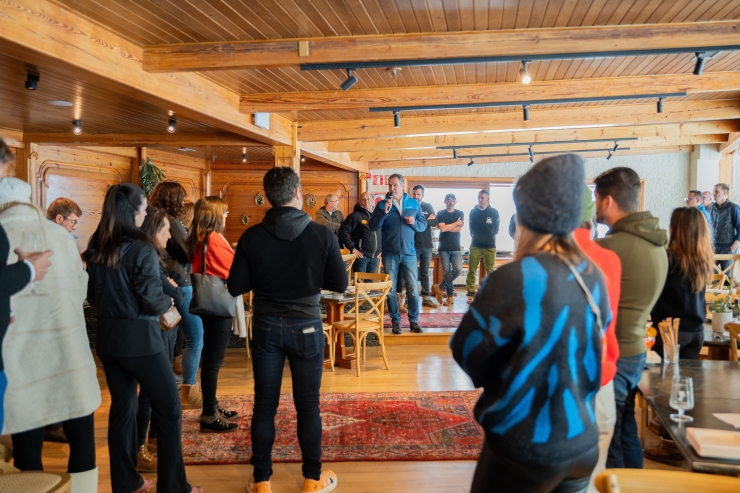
{"points": [[424, 239], [677, 301], [13, 278], [483, 227], [355, 233], [129, 301], [725, 222], [177, 251], [169, 290], [287, 260]]}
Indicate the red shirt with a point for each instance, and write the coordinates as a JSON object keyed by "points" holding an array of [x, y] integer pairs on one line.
{"points": [[219, 257], [611, 268]]}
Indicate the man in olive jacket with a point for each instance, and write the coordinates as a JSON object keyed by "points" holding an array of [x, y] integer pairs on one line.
{"points": [[640, 244]]}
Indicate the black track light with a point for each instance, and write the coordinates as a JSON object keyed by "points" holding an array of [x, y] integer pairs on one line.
{"points": [[616, 146], [531, 153], [609, 156], [471, 162], [454, 153], [701, 58], [525, 108], [244, 158], [77, 127], [351, 80], [172, 124], [524, 72], [660, 105], [32, 82], [397, 119]]}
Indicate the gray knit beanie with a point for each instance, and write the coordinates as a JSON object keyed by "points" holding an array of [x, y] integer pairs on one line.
{"points": [[549, 197]]}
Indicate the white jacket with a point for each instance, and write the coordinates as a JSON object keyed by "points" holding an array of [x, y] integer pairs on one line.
{"points": [[50, 368]]}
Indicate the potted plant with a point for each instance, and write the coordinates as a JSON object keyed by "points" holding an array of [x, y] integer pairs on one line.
{"points": [[721, 309], [150, 176]]}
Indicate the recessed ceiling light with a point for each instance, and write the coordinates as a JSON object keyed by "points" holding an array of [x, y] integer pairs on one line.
{"points": [[186, 149], [59, 102]]}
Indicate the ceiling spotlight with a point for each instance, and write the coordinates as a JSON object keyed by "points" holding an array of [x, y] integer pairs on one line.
{"points": [[525, 109], [185, 149], [616, 146], [77, 129], [701, 58], [394, 72], [609, 156], [303, 159], [59, 102], [471, 162], [172, 124], [244, 158], [660, 105], [351, 80], [32, 82], [397, 119], [524, 72]]}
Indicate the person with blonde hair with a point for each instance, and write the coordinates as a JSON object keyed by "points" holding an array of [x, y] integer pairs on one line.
{"points": [[206, 234]]}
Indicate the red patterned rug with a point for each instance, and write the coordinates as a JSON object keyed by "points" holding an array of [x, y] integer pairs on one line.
{"points": [[429, 320], [413, 426]]}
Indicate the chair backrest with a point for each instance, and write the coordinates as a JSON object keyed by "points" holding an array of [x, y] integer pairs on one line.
{"points": [[729, 271], [369, 277], [654, 481], [734, 330], [372, 293], [349, 259], [344, 251], [716, 281]]}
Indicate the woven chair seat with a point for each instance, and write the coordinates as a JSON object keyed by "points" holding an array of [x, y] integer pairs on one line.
{"points": [[29, 482]]}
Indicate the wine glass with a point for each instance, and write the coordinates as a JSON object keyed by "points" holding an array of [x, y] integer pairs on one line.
{"points": [[30, 243], [682, 398]]}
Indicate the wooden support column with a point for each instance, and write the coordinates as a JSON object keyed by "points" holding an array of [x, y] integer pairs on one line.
{"points": [[362, 183], [289, 155], [206, 180], [141, 155], [725, 168]]}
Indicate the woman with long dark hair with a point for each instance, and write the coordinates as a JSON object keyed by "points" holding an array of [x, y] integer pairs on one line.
{"points": [[170, 196], [532, 340], [690, 259], [126, 290], [209, 222]]}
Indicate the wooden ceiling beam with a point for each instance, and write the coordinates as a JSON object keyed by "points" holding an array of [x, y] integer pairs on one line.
{"points": [[234, 55], [646, 143], [732, 144], [425, 163], [186, 140], [583, 116], [668, 130], [12, 138], [481, 93]]}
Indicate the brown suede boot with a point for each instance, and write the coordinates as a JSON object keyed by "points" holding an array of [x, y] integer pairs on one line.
{"points": [[665, 453], [177, 365], [146, 462]]}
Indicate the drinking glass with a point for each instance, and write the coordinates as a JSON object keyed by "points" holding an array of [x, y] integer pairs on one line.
{"points": [[30, 243], [682, 398], [650, 333]]}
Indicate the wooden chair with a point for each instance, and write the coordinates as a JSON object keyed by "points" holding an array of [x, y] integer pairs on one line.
{"points": [[729, 272], [349, 259], [329, 334], [734, 330], [248, 315], [368, 322], [35, 482], [641, 480], [344, 251]]}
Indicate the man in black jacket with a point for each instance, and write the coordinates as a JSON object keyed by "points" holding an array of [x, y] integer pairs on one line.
{"points": [[725, 223], [14, 277], [287, 260], [355, 234]]}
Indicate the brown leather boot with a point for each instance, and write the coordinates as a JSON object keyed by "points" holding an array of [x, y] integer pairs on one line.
{"points": [[177, 365], [665, 453], [185, 398], [656, 427], [146, 462]]}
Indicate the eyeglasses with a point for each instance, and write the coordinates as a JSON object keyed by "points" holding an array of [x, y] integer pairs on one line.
{"points": [[73, 222], [226, 213]]}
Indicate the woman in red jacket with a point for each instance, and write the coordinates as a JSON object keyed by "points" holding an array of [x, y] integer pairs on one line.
{"points": [[209, 222]]}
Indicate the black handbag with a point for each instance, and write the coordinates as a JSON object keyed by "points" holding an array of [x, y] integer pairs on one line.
{"points": [[210, 295]]}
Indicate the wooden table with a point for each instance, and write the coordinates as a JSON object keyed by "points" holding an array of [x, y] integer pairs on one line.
{"points": [[718, 348], [335, 313], [716, 390]]}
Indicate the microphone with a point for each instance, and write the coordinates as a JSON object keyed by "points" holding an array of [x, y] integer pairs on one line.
{"points": [[388, 195]]}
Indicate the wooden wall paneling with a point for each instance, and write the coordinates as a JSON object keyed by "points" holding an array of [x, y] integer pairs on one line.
{"points": [[186, 170], [78, 174]]}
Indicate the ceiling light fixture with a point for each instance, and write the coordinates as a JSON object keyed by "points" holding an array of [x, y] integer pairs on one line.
{"points": [[394, 72], [530, 144], [303, 159], [32, 81], [77, 129], [59, 102], [244, 154], [171, 124], [525, 109], [185, 149], [351, 80], [524, 72], [397, 119], [609, 156], [660, 105], [471, 162]]}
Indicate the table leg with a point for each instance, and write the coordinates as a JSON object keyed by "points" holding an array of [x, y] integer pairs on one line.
{"points": [[643, 418], [718, 353], [343, 359]]}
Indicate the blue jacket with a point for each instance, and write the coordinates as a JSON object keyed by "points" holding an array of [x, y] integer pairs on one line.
{"points": [[397, 236], [705, 212]]}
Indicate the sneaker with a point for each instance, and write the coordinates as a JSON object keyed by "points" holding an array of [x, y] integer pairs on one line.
{"points": [[665, 453], [225, 412], [216, 424], [396, 328], [470, 298], [449, 301], [261, 487], [415, 327], [326, 483], [430, 303], [146, 462]]}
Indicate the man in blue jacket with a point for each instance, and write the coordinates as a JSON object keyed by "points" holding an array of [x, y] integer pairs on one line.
{"points": [[400, 217]]}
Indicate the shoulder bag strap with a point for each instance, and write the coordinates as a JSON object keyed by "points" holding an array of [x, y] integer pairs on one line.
{"points": [[589, 298], [205, 249]]}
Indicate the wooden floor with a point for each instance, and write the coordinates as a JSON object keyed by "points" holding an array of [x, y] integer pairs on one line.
{"points": [[426, 367]]}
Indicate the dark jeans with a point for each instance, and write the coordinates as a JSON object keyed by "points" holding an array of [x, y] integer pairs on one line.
{"points": [[365, 264], [80, 433], [144, 415], [690, 342], [154, 374], [496, 472], [302, 342], [216, 335], [626, 449], [424, 257]]}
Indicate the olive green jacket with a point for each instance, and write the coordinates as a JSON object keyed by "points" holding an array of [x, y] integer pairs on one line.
{"points": [[640, 245]]}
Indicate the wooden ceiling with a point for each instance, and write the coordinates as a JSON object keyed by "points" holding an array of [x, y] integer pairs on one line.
{"points": [[338, 126]]}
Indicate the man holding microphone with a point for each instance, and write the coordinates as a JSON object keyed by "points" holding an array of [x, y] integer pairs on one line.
{"points": [[399, 218]]}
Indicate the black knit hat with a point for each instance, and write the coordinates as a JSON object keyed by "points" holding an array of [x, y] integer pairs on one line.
{"points": [[549, 197]]}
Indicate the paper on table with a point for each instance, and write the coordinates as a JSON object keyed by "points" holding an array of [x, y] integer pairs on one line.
{"points": [[732, 419]]}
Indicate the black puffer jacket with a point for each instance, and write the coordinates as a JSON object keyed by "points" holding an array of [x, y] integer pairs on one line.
{"points": [[129, 301], [177, 252], [725, 222], [355, 233]]}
